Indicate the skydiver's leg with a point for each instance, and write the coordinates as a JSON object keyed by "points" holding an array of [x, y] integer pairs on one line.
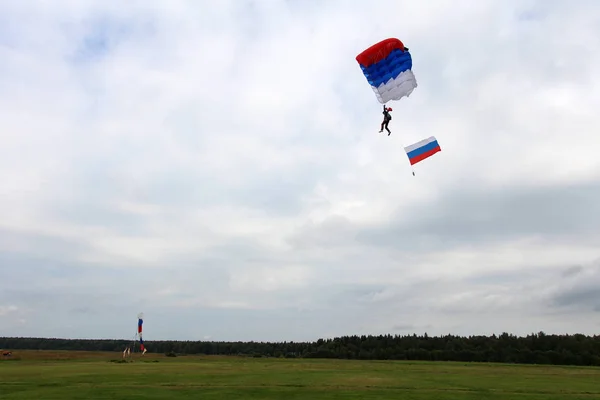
{"points": [[381, 130], [386, 127]]}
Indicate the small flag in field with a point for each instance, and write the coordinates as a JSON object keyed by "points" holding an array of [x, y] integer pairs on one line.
{"points": [[422, 150]]}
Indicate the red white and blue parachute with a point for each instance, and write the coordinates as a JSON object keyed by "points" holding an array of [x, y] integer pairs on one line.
{"points": [[139, 332], [387, 65]]}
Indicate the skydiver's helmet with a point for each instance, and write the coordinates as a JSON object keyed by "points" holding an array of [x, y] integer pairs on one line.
{"points": [[389, 109]]}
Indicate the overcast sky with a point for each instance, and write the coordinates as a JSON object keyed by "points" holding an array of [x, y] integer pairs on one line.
{"points": [[216, 165]]}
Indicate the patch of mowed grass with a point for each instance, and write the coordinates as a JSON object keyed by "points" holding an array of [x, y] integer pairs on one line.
{"points": [[192, 377]]}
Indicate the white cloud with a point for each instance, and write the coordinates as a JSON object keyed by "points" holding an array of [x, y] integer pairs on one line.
{"points": [[5, 310], [219, 168]]}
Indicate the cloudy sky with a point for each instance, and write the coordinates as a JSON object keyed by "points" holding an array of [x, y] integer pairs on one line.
{"points": [[216, 165]]}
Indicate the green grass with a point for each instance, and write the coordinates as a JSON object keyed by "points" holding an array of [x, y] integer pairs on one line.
{"points": [[83, 375]]}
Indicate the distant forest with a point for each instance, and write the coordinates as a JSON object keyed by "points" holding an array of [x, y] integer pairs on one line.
{"points": [[538, 348]]}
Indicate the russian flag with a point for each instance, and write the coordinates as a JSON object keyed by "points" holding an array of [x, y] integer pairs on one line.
{"points": [[387, 65], [422, 150]]}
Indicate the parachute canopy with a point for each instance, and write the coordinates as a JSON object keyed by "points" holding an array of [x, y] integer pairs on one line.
{"points": [[387, 65], [139, 331]]}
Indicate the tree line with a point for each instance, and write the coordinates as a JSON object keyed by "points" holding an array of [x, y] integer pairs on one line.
{"points": [[538, 348]]}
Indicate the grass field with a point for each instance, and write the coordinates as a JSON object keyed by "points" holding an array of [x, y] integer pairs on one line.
{"points": [[87, 375]]}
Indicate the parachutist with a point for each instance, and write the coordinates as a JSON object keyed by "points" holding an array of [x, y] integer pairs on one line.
{"points": [[386, 119]]}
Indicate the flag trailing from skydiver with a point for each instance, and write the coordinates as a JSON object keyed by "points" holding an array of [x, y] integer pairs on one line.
{"points": [[421, 150]]}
